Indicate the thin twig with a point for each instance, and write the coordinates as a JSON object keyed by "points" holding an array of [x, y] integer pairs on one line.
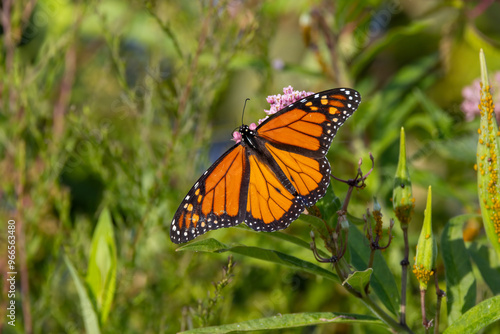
{"points": [[166, 29], [20, 237], [64, 93], [194, 64], [27, 11], [331, 42], [9, 49]]}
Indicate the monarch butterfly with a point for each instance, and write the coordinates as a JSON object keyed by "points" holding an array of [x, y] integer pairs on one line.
{"points": [[268, 178]]}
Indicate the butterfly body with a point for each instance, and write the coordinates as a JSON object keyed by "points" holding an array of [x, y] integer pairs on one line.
{"points": [[275, 171]]}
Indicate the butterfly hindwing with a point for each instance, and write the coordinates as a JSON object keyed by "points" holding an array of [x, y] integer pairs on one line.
{"points": [[218, 198], [270, 206], [308, 175]]}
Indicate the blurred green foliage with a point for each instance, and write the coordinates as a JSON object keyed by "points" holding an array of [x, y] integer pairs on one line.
{"points": [[122, 104]]}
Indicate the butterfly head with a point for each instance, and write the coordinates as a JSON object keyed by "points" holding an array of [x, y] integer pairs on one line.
{"points": [[247, 134], [246, 130]]}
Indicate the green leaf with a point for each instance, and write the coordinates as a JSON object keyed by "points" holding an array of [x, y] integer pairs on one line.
{"points": [[89, 314], [483, 257], [101, 274], [289, 238], [317, 224], [293, 239], [460, 280], [437, 119], [359, 279], [209, 245], [291, 321], [214, 246], [393, 37], [477, 318], [382, 280]]}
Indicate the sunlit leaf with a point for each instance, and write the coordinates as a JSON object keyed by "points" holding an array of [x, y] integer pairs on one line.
{"points": [[382, 280], [215, 246], [291, 321], [477, 318], [485, 259], [460, 280], [89, 315], [359, 279], [101, 273]]}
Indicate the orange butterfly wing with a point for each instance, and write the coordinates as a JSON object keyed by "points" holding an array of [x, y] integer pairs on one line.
{"points": [[216, 200], [299, 136], [308, 126], [270, 205], [268, 180]]}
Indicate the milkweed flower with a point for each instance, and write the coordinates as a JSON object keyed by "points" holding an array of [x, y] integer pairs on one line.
{"points": [[488, 161], [277, 103], [471, 95], [425, 260], [402, 198]]}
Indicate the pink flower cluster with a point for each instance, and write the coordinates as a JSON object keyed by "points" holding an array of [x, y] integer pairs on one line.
{"points": [[471, 95], [277, 103]]}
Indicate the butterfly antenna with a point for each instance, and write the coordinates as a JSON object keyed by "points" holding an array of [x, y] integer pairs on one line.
{"points": [[243, 113]]}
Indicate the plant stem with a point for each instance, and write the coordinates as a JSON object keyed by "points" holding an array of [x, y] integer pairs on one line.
{"points": [[365, 298], [425, 323], [404, 277], [398, 327], [440, 294], [372, 258]]}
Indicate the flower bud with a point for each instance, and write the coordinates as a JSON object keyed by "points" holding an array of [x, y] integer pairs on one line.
{"points": [[377, 216], [425, 260], [402, 199]]}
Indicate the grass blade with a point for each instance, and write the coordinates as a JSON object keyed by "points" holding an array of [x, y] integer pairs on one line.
{"points": [[89, 314]]}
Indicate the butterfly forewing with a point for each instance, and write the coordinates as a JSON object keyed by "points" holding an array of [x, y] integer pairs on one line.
{"points": [[299, 136], [308, 126], [218, 198]]}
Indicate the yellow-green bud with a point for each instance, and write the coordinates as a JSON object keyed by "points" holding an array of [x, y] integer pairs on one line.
{"points": [[425, 260], [402, 198]]}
